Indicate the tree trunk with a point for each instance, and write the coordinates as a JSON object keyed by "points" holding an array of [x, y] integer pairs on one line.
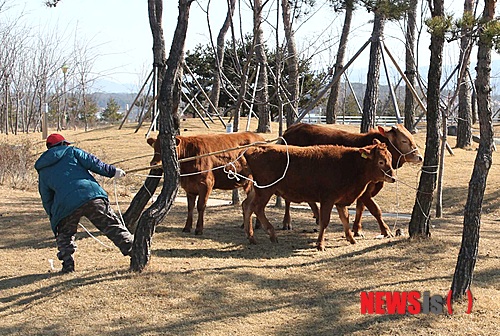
{"points": [[138, 203], [262, 95], [219, 60], [141, 199], [331, 105], [420, 218], [474, 107], [467, 256], [372, 81], [464, 124], [411, 67], [292, 62], [155, 11], [168, 102]]}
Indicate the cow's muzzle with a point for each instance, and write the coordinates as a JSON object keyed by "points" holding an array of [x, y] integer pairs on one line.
{"points": [[389, 176]]}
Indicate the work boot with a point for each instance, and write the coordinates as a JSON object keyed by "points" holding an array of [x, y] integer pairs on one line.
{"points": [[68, 266]]}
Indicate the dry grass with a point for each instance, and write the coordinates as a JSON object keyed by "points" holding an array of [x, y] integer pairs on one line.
{"points": [[217, 284]]}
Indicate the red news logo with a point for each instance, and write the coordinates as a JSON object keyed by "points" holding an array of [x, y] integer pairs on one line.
{"points": [[390, 303]]}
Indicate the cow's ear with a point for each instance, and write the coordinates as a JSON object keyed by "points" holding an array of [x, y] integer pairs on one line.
{"points": [[376, 141], [177, 141], [382, 131], [365, 153], [151, 141]]}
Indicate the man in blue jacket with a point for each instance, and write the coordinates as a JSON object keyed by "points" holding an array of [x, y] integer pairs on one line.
{"points": [[69, 191]]}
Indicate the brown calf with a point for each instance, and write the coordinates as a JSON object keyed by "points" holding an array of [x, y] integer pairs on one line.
{"points": [[399, 141], [200, 176], [330, 175]]}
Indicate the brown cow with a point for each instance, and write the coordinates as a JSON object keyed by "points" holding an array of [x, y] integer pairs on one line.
{"points": [[330, 175], [201, 175], [399, 141]]}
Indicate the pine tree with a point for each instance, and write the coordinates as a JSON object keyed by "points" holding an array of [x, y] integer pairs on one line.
{"points": [[111, 113]]}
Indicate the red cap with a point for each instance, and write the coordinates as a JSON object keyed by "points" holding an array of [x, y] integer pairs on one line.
{"points": [[55, 139]]}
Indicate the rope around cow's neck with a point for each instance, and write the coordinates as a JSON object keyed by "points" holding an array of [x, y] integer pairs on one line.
{"points": [[235, 175], [230, 173]]}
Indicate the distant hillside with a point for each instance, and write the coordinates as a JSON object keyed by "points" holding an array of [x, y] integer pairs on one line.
{"points": [[122, 99]]}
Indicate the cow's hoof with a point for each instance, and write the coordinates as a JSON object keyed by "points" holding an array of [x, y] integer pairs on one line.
{"points": [[386, 234], [286, 227], [252, 240], [352, 241], [359, 234], [186, 230], [258, 225], [274, 239], [198, 233], [321, 247]]}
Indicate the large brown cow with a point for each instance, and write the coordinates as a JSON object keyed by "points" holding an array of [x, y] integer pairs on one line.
{"points": [[399, 141], [200, 176], [330, 175]]}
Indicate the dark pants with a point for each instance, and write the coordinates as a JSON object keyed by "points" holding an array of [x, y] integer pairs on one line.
{"points": [[102, 216]]}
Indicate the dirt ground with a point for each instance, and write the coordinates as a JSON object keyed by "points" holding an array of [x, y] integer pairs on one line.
{"points": [[218, 284]]}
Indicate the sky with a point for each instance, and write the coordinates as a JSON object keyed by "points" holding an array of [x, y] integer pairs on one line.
{"points": [[119, 30]]}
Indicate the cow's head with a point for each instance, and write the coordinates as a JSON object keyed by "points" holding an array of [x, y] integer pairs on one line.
{"points": [[381, 159], [402, 145], [157, 148]]}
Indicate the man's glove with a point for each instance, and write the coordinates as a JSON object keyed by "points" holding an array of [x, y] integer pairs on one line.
{"points": [[119, 173]]}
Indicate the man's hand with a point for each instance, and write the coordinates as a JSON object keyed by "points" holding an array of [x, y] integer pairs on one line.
{"points": [[119, 173]]}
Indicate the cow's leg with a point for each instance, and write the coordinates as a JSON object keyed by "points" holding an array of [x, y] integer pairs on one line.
{"points": [[344, 218], [325, 212], [246, 205], [248, 188], [191, 198], [200, 207], [315, 210], [357, 227], [258, 207], [286, 217], [377, 213]]}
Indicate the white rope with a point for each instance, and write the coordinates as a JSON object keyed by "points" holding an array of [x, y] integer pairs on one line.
{"points": [[145, 175], [95, 238], [117, 204], [234, 174], [203, 171], [401, 155], [418, 191]]}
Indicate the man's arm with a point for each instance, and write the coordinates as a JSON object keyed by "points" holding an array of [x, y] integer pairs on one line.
{"points": [[47, 196], [92, 163]]}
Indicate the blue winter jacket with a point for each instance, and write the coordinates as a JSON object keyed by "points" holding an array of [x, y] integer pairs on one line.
{"points": [[65, 183]]}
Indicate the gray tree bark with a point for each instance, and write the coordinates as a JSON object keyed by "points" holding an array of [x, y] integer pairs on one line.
{"points": [[141, 199], [411, 68], [219, 59], [467, 256], [331, 105], [464, 123], [262, 94], [292, 61], [420, 219], [370, 99], [168, 102]]}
